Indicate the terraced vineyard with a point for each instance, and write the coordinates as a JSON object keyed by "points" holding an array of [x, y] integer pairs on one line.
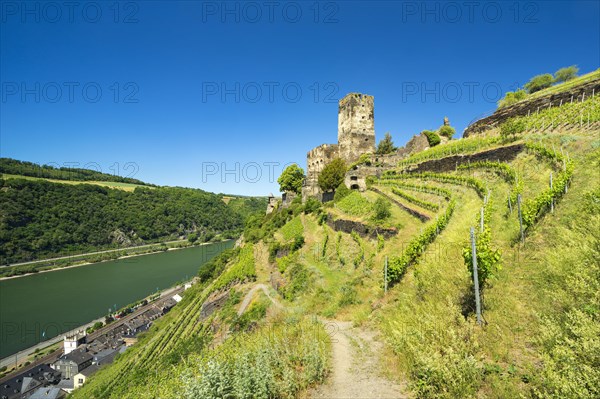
{"points": [[536, 223]]}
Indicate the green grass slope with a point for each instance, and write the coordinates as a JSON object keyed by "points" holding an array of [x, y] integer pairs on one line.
{"points": [[540, 336]]}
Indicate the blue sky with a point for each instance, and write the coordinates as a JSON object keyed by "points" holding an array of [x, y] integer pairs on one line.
{"points": [[221, 95]]}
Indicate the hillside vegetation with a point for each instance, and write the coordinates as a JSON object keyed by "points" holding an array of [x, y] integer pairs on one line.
{"points": [[14, 167], [538, 264], [43, 219]]}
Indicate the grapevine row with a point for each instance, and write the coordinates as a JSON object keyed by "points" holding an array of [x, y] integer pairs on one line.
{"points": [[422, 203], [443, 192], [397, 265], [472, 182]]}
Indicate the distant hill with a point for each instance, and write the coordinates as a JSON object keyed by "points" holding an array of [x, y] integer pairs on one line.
{"points": [[41, 218], [14, 167]]}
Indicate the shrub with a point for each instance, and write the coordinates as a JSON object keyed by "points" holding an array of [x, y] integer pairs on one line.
{"points": [[381, 209], [340, 192], [447, 131], [298, 281], [312, 205], [511, 98], [567, 73], [432, 137], [539, 82], [297, 244], [348, 295], [193, 237]]}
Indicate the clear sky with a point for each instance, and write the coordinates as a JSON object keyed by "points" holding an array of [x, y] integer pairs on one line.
{"points": [[220, 95]]}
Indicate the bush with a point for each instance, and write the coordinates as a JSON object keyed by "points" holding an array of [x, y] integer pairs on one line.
{"points": [[298, 281], [340, 192], [432, 137], [348, 295], [511, 98], [312, 205], [297, 244], [447, 131], [567, 73], [193, 237], [382, 209], [539, 82]]}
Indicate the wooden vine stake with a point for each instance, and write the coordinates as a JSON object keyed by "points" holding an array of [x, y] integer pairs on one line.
{"points": [[551, 202], [509, 203], [475, 276], [481, 220], [385, 279], [520, 218]]}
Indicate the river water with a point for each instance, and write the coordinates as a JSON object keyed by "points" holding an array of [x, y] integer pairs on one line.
{"points": [[41, 306]]}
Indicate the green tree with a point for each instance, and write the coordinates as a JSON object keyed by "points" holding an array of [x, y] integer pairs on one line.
{"points": [[386, 146], [539, 82], [446, 131], [291, 179], [566, 73], [332, 175]]}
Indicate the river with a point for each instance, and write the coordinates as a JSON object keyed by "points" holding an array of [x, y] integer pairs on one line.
{"points": [[41, 306]]}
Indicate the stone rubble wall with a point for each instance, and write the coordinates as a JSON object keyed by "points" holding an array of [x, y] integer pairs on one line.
{"points": [[525, 107]]}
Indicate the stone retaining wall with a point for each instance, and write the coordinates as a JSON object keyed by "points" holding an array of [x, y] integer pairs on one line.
{"points": [[348, 226], [447, 164], [522, 108]]}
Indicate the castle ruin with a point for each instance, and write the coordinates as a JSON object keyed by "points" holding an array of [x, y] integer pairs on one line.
{"points": [[356, 136]]}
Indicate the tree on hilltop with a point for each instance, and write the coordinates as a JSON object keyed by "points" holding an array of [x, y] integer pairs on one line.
{"points": [[539, 82], [291, 179], [566, 73], [332, 175]]}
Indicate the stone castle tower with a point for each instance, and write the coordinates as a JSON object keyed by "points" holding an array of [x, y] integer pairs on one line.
{"points": [[356, 126], [356, 136]]}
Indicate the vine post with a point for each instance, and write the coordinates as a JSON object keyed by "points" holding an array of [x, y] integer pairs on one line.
{"points": [[475, 276], [552, 202], [481, 220], [520, 218], [385, 279], [509, 203]]}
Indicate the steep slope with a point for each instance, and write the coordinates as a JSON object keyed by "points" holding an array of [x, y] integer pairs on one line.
{"points": [[540, 289]]}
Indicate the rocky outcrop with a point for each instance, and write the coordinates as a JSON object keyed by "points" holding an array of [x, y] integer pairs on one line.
{"points": [[525, 107], [502, 154], [348, 226]]}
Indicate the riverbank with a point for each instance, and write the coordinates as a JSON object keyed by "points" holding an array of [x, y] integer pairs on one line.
{"points": [[158, 248], [52, 348]]}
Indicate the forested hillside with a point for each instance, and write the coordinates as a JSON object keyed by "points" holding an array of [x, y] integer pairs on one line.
{"points": [[42, 219], [16, 167]]}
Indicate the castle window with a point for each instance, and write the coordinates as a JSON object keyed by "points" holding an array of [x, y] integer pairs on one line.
{"points": [[354, 187], [353, 177]]}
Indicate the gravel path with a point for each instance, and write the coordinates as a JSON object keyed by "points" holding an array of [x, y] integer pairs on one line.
{"points": [[355, 366]]}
